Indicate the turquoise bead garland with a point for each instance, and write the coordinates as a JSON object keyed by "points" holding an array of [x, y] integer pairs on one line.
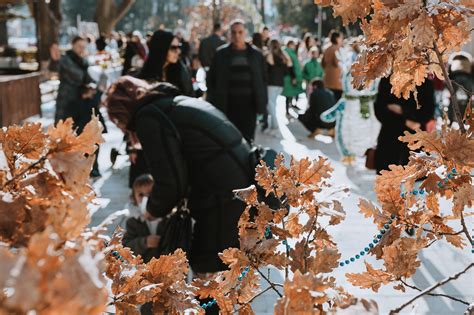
{"points": [[115, 253], [213, 301], [370, 245]]}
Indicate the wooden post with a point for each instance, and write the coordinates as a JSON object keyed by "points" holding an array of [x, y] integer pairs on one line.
{"points": [[36, 13]]}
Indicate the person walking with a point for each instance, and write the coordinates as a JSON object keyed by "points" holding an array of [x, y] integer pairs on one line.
{"points": [[163, 63], [209, 45], [78, 97], [398, 115], [278, 64], [292, 86], [193, 152], [332, 65], [237, 82]]}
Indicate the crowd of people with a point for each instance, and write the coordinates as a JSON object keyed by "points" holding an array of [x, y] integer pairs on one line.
{"points": [[190, 111]]}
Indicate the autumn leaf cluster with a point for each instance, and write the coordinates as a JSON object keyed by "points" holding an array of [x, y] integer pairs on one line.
{"points": [[47, 264], [441, 170], [301, 191], [402, 38], [50, 262]]}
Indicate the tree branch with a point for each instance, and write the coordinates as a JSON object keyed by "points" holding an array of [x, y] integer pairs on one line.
{"points": [[434, 294], [272, 285], [250, 301], [464, 228], [30, 167], [125, 5], [454, 101], [428, 290]]}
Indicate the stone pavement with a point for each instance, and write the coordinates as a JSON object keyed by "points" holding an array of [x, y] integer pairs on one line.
{"points": [[438, 262]]}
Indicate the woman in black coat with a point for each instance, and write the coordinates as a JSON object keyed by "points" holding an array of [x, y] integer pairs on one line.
{"points": [[193, 151], [164, 64], [398, 115]]}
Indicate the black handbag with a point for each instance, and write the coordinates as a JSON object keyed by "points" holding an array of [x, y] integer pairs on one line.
{"points": [[176, 230]]}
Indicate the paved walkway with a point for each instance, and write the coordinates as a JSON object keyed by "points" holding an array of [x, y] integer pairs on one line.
{"points": [[438, 262]]}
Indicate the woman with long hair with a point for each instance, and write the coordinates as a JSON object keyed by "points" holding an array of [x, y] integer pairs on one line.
{"points": [[304, 54], [277, 66], [163, 63]]}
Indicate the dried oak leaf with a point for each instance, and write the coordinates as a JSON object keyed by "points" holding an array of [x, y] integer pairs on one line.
{"points": [[407, 9], [304, 294], [293, 225], [26, 141], [64, 138], [308, 172], [352, 11], [423, 31], [387, 239], [325, 261], [429, 141], [368, 209], [370, 279], [237, 262], [463, 198], [401, 258], [459, 148], [249, 195], [264, 177]]}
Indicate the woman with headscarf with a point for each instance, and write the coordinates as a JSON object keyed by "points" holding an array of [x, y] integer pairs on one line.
{"points": [[163, 63]]}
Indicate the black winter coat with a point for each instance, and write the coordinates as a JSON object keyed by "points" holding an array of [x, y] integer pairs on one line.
{"points": [[208, 48], [389, 149], [218, 78], [192, 149], [320, 100]]}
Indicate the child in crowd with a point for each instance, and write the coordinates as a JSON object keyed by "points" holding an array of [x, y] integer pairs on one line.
{"points": [[141, 234]]}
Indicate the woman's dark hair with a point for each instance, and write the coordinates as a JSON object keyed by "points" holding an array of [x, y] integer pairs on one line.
{"points": [[317, 83], [276, 51], [100, 43], [128, 93], [158, 46], [257, 40], [77, 38], [307, 39], [334, 36]]}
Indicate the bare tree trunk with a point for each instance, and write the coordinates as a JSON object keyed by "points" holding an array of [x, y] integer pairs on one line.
{"points": [[108, 14], [48, 22], [3, 29]]}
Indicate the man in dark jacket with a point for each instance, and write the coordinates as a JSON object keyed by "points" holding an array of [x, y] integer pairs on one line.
{"points": [[320, 100], [237, 82], [192, 151], [209, 45]]}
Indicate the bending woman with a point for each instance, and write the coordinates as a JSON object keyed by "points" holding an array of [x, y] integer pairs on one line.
{"points": [[192, 151]]}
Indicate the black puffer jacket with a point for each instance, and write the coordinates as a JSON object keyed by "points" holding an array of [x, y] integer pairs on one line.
{"points": [[190, 146]]}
